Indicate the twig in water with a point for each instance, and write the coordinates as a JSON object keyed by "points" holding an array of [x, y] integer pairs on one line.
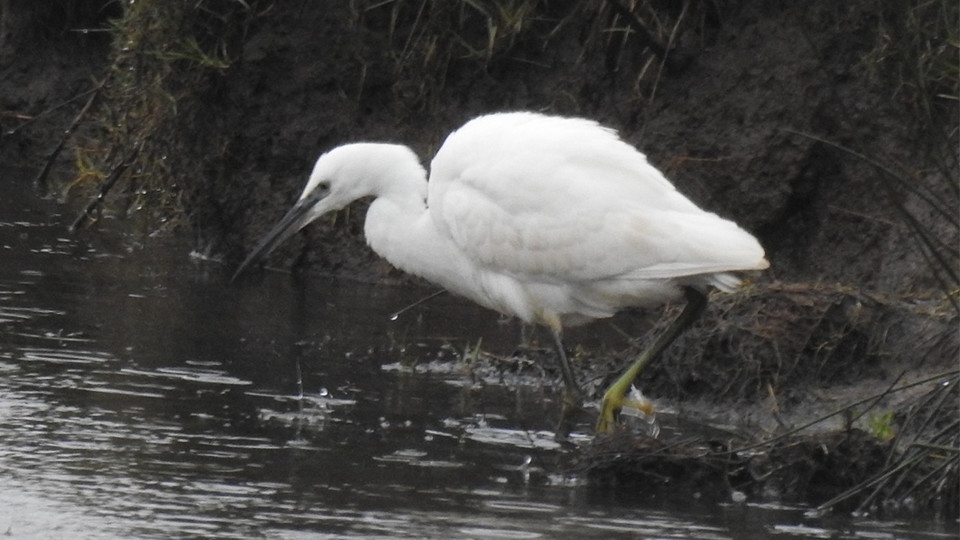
{"points": [[36, 117], [105, 187], [40, 182]]}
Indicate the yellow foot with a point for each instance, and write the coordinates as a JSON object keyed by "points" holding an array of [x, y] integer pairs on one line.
{"points": [[614, 401]]}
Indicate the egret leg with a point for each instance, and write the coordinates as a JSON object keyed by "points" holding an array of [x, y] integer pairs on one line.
{"points": [[613, 398], [568, 378], [572, 398]]}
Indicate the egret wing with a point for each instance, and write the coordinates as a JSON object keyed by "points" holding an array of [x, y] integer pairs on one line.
{"points": [[562, 199]]}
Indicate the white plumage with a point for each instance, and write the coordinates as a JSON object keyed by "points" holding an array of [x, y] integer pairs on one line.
{"points": [[553, 220]]}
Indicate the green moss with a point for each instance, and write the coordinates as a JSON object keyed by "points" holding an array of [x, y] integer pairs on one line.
{"points": [[880, 425]]}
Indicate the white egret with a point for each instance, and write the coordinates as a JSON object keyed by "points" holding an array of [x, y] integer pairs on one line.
{"points": [[553, 220]]}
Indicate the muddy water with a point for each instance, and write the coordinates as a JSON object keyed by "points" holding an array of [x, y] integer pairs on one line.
{"points": [[144, 396]]}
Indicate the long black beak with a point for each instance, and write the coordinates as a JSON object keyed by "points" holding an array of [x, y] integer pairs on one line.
{"points": [[287, 227]]}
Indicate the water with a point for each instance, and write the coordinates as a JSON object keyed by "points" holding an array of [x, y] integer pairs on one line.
{"points": [[144, 396]]}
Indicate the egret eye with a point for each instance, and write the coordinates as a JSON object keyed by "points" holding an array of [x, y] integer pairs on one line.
{"points": [[318, 193]]}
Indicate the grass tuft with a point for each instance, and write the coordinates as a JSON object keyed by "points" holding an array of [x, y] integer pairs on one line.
{"points": [[165, 56]]}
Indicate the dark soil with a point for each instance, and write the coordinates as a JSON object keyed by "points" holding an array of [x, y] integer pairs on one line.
{"points": [[46, 65], [850, 302]]}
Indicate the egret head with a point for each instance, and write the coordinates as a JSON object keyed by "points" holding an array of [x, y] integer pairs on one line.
{"points": [[339, 177]]}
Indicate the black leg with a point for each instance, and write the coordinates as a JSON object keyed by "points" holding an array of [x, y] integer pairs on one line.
{"points": [[572, 399]]}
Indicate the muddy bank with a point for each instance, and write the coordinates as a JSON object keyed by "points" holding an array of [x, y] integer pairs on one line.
{"points": [[822, 395], [213, 118]]}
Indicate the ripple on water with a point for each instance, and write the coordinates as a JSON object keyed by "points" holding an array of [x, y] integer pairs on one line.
{"points": [[27, 514], [803, 531], [482, 432], [544, 440], [522, 507], [418, 458], [490, 532], [311, 412], [11, 314], [150, 392], [653, 525], [64, 356], [190, 374]]}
